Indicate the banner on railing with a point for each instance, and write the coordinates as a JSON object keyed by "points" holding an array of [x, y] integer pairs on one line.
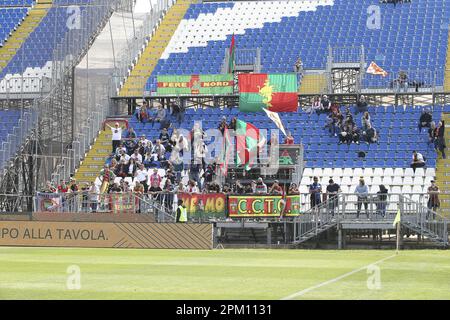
{"points": [[263, 206], [195, 84], [204, 205], [123, 203], [48, 202]]}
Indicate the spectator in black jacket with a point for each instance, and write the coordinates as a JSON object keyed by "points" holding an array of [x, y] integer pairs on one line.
{"points": [[425, 120], [440, 138], [361, 105]]}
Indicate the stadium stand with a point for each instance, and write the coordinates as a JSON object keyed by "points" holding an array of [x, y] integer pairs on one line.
{"points": [[10, 18], [34, 57], [203, 35], [10, 60]]}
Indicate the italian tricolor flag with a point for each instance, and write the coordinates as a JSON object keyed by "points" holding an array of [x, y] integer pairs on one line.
{"points": [[247, 138], [276, 92]]}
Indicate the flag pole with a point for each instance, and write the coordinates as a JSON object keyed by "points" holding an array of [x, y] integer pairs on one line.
{"points": [[398, 238]]}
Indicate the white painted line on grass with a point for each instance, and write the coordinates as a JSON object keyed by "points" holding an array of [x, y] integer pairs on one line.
{"points": [[305, 291]]}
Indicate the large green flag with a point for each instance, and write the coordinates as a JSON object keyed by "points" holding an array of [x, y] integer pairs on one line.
{"points": [[275, 92]]}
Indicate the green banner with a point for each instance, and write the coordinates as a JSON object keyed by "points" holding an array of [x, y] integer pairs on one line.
{"points": [[263, 206], [214, 84]]}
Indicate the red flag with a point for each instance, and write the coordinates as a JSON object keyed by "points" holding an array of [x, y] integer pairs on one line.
{"points": [[376, 70]]}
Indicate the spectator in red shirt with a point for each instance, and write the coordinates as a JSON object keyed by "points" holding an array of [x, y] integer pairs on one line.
{"points": [[62, 188], [155, 181], [289, 139]]}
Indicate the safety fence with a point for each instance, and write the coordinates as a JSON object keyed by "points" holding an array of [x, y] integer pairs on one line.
{"points": [[222, 206]]}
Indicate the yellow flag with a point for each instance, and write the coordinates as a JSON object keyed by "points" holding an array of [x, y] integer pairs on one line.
{"points": [[397, 218]]}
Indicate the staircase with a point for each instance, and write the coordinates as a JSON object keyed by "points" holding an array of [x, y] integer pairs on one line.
{"points": [[447, 67], [135, 83], [95, 159], [313, 84], [35, 15], [443, 172]]}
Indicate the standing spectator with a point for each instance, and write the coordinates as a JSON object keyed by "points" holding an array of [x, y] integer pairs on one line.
{"points": [[417, 161], [298, 66], [178, 111], [142, 177], [432, 133], [192, 187], [260, 187], [155, 181], [361, 105], [433, 200], [239, 188], [402, 82], [289, 138], [381, 200], [333, 189], [293, 189], [440, 138], [93, 191], [315, 190], [160, 115], [425, 119], [362, 192], [159, 149], [116, 135], [129, 133], [232, 125], [276, 188], [164, 137], [121, 169], [223, 124]]}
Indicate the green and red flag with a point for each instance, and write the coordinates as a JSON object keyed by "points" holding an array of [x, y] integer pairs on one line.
{"points": [[247, 139], [275, 92], [231, 55]]}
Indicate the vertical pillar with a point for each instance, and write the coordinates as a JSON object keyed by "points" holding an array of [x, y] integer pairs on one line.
{"points": [[269, 236]]}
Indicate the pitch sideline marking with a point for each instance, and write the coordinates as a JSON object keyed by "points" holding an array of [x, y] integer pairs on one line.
{"points": [[304, 291]]}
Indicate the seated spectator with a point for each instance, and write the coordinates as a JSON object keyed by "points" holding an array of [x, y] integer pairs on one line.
{"points": [[136, 156], [115, 188], [160, 151], [208, 174], [143, 113], [298, 66], [361, 105], [260, 187], [355, 135], [332, 124], [164, 137], [121, 169], [370, 135], [417, 160], [289, 138], [325, 105], [365, 121], [226, 188], [276, 188], [160, 115], [425, 119], [129, 133], [345, 135], [119, 149], [123, 156]]}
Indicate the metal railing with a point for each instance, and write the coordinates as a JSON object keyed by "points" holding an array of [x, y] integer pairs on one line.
{"points": [[129, 56]]}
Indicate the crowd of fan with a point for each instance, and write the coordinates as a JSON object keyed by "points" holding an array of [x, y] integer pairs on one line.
{"points": [[343, 125]]}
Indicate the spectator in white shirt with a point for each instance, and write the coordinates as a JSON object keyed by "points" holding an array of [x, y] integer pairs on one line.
{"points": [[159, 149], [417, 161], [142, 177], [116, 135], [137, 156]]}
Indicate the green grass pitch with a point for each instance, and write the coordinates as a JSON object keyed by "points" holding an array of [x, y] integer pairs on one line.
{"points": [[41, 273]]}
